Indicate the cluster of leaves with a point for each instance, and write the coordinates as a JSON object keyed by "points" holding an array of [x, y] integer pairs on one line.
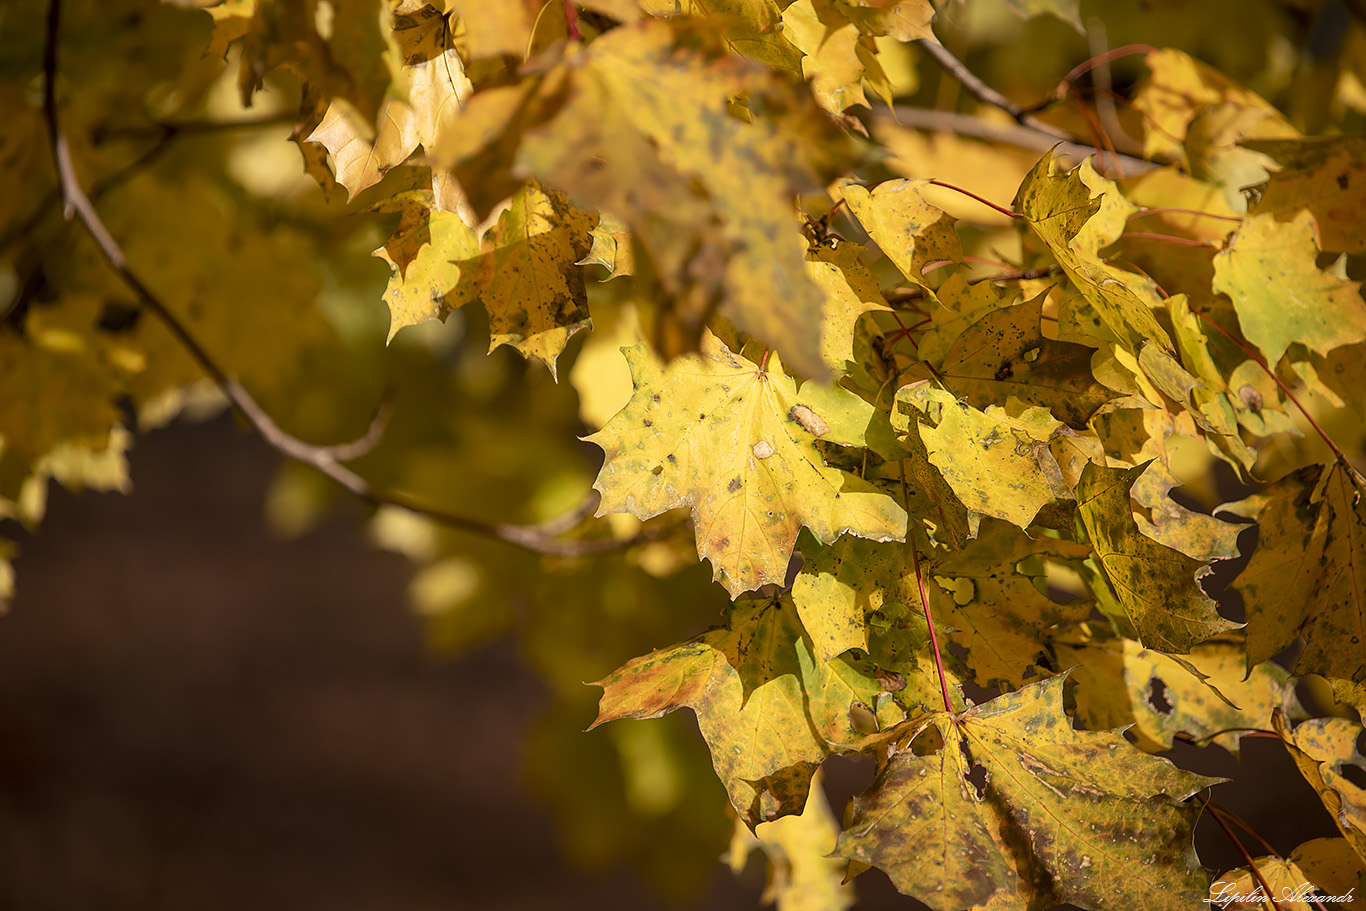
{"points": [[930, 457]]}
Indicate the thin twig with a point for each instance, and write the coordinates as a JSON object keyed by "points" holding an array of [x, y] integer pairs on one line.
{"points": [[1261, 362], [924, 598], [983, 92], [325, 459], [170, 128], [1169, 239], [1233, 817], [1101, 59], [1100, 62], [971, 195], [1143, 213], [1252, 865], [346, 452], [1023, 116], [571, 20], [911, 295], [1009, 134], [1261, 732]]}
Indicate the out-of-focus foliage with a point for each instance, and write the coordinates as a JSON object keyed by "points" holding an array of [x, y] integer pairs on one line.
{"points": [[953, 414]]}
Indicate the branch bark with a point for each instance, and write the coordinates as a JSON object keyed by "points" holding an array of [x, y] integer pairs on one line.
{"points": [[1030, 132], [541, 539]]}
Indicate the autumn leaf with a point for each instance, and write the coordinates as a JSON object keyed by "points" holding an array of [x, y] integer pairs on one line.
{"points": [[1025, 429], [737, 443], [1005, 354], [1120, 683], [990, 608], [1068, 11], [640, 125], [960, 306], [533, 287], [1155, 585], [1325, 176], [1062, 212], [750, 27], [525, 271], [1268, 269], [1309, 878], [802, 874], [1325, 751], [998, 463], [359, 162], [1178, 89], [851, 290], [831, 47], [436, 86], [1016, 801], [434, 263], [749, 684], [908, 229], [611, 247], [492, 29], [1306, 575], [346, 60]]}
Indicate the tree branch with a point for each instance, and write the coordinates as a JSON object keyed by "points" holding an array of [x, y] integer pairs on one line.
{"points": [[1031, 133], [1010, 134], [170, 128], [535, 538], [983, 92]]}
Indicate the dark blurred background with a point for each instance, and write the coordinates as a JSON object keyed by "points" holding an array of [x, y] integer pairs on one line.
{"points": [[196, 714]]}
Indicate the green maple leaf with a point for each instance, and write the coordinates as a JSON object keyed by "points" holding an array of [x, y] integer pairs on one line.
{"points": [[1281, 295], [1154, 584], [737, 443], [1018, 809], [1308, 573], [750, 684]]}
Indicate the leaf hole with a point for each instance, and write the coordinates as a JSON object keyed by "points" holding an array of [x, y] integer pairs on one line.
{"points": [[1353, 773], [1157, 697], [978, 777], [977, 773]]}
